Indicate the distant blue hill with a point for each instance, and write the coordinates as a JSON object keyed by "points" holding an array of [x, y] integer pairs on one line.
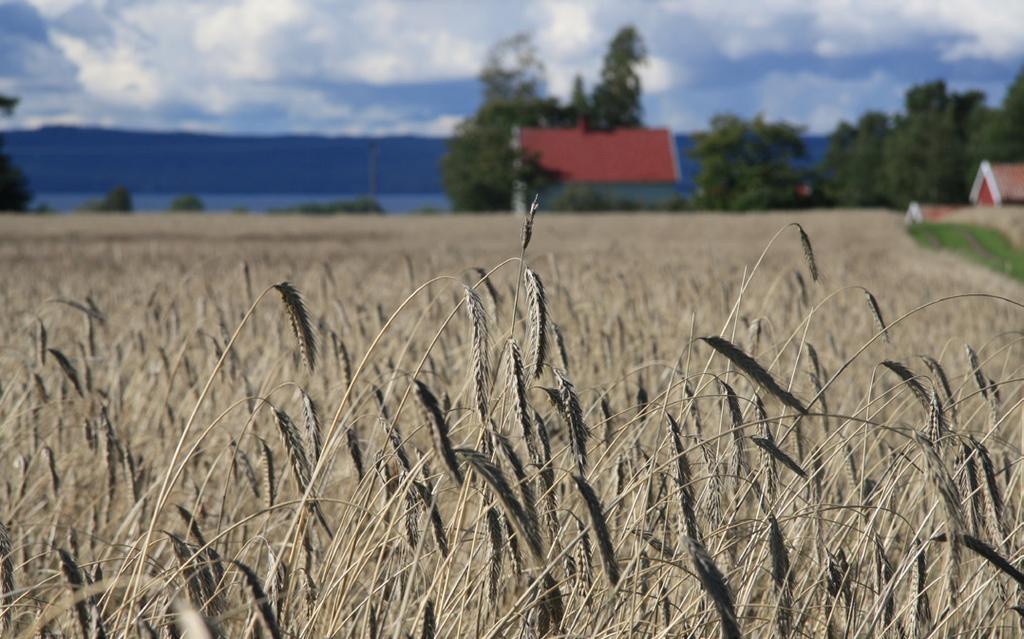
{"points": [[89, 160], [65, 159]]}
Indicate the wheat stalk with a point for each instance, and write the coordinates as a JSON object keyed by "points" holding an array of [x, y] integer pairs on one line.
{"points": [[439, 430], [600, 528], [537, 304], [748, 365], [311, 423], [302, 325], [301, 468], [499, 486], [6, 579], [716, 587], [260, 601], [805, 243], [480, 367], [876, 313], [579, 432], [68, 369]]}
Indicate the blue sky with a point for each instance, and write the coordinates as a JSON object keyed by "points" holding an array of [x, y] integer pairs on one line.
{"points": [[409, 66]]}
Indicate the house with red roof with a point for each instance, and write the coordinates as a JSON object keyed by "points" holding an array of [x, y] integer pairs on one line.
{"points": [[635, 164], [998, 184]]}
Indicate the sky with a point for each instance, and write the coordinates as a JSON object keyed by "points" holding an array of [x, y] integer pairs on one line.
{"points": [[409, 66]]}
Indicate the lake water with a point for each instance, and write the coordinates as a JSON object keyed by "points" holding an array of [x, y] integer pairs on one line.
{"points": [[259, 202]]}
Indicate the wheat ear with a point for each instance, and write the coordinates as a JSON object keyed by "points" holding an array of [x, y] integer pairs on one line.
{"points": [[302, 325]]}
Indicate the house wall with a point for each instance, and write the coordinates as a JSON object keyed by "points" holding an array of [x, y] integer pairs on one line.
{"points": [[646, 193]]}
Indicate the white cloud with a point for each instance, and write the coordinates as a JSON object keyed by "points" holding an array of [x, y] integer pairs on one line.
{"points": [[289, 62], [657, 75], [992, 31], [64, 119], [818, 102], [676, 116], [388, 41], [243, 39], [117, 73], [567, 28], [440, 56], [740, 28], [53, 8], [743, 28], [569, 41], [440, 126]]}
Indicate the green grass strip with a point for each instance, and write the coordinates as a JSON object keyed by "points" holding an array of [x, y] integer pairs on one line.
{"points": [[980, 244]]}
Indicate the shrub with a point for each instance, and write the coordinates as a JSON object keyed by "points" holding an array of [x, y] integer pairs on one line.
{"points": [[117, 200], [187, 203], [577, 197], [358, 205]]}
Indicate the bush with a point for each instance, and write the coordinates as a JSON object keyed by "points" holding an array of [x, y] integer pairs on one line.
{"points": [[579, 197], [358, 205], [428, 209], [187, 203], [42, 209], [675, 203], [117, 200]]}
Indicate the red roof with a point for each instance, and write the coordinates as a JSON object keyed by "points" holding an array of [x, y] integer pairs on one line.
{"points": [[588, 155], [1009, 181]]}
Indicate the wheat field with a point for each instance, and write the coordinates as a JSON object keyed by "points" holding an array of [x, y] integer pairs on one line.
{"points": [[636, 426]]}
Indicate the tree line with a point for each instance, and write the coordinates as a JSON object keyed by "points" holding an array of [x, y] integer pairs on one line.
{"points": [[929, 151]]}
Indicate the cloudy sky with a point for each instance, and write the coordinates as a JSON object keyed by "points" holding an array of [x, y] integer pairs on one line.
{"points": [[408, 66]]}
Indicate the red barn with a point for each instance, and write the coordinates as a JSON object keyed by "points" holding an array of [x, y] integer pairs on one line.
{"points": [[998, 184], [634, 164]]}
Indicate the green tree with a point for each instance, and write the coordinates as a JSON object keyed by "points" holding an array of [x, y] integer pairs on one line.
{"points": [[926, 156], [482, 163], [14, 192], [616, 101], [746, 165], [187, 203], [999, 136], [118, 200], [579, 100], [513, 71], [853, 162]]}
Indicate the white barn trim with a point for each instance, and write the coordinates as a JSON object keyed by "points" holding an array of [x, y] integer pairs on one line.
{"points": [[985, 174]]}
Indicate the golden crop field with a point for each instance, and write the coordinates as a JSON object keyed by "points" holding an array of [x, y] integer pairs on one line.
{"points": [[651, 426]]}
